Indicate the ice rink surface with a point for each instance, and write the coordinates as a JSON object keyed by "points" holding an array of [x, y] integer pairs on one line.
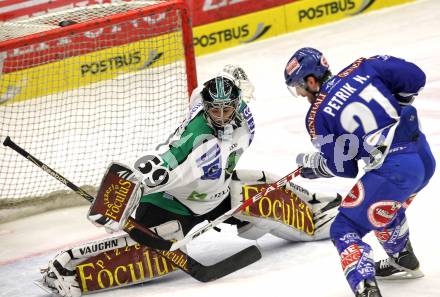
{"points": [[286, 269]]}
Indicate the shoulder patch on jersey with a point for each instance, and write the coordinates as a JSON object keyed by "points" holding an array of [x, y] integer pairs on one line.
{"points": [[347, 71], [211, 163], [195, 109], [246, 114]]}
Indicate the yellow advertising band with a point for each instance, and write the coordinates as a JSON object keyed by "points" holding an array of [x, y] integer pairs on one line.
{"points": [[279, 20]]}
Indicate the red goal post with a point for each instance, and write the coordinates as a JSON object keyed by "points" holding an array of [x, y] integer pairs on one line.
{"points": [[89, 85]]}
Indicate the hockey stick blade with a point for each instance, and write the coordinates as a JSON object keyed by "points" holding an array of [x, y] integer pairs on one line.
{"points": [[276, 185], [180, 259], [227, 266]]}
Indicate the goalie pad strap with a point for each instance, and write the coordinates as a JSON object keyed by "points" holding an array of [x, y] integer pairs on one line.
{"points": [[94, 248]]}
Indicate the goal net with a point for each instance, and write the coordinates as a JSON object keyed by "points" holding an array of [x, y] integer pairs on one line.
{"points": [[86, 86]]}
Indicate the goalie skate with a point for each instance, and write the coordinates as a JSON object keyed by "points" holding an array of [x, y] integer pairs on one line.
{"points": [[57, 279], [42, 284]]}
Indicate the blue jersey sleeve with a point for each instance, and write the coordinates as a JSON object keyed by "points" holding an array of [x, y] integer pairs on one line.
{"points": [[403, 79], [335, 151]]}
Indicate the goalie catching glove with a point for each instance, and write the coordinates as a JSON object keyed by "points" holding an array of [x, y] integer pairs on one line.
{"points": [[242, 81]]}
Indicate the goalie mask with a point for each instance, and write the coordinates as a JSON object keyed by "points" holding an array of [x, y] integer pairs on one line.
{"points": [[221, 99]]}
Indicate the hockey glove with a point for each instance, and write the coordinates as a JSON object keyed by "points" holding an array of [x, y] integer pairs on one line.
{"points": [[242, 81], [405, 99], [314, 165]]}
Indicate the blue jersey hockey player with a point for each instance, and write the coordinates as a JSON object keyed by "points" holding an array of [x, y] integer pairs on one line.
{"points": [[365, 113]]}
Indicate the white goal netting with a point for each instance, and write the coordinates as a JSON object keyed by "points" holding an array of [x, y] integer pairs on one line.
{"points": [[83, 87]]}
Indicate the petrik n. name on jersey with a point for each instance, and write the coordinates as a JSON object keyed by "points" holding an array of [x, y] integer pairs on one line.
{"points": [[356, 114]]}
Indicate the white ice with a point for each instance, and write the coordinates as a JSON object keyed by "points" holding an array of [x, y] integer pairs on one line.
{"points": [[287, 269]]}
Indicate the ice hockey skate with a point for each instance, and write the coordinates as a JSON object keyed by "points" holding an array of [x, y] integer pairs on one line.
{"points": [[403, 265], [57, 279], [368, 289]]}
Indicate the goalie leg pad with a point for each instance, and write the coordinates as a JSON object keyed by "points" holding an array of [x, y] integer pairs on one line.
{"points": [[281, 212], [293, 213], [60, 276], [129, 264], [107, 264], [122, 267], [66, 282], [325, 208]]}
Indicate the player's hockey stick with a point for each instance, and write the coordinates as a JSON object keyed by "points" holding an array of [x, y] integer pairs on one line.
{"points": [[276, 185], [178, 258]]}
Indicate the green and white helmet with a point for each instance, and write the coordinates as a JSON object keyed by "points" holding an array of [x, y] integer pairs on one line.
{"points": [[222, 94]]}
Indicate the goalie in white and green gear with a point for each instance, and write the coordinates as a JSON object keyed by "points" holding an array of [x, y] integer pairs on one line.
{"points": [[199, 158]]}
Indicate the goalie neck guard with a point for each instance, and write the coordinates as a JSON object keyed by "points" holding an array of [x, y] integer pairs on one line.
{"points": [[221, 100]]}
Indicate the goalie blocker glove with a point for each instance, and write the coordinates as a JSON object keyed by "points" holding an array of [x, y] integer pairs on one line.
{"points": [[117, 198], [313, 165]]}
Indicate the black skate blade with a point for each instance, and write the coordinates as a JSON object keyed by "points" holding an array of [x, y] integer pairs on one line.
{"points": [[402, 275]]}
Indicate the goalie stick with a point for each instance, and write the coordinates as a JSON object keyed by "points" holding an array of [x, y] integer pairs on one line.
{"points": [[191, 266], [276, 185]]}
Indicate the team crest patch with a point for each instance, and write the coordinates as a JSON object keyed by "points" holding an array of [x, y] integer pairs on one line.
{"points": [[355, 197], [382, 213], [292, 66], [211, 163], [213, 170]]}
